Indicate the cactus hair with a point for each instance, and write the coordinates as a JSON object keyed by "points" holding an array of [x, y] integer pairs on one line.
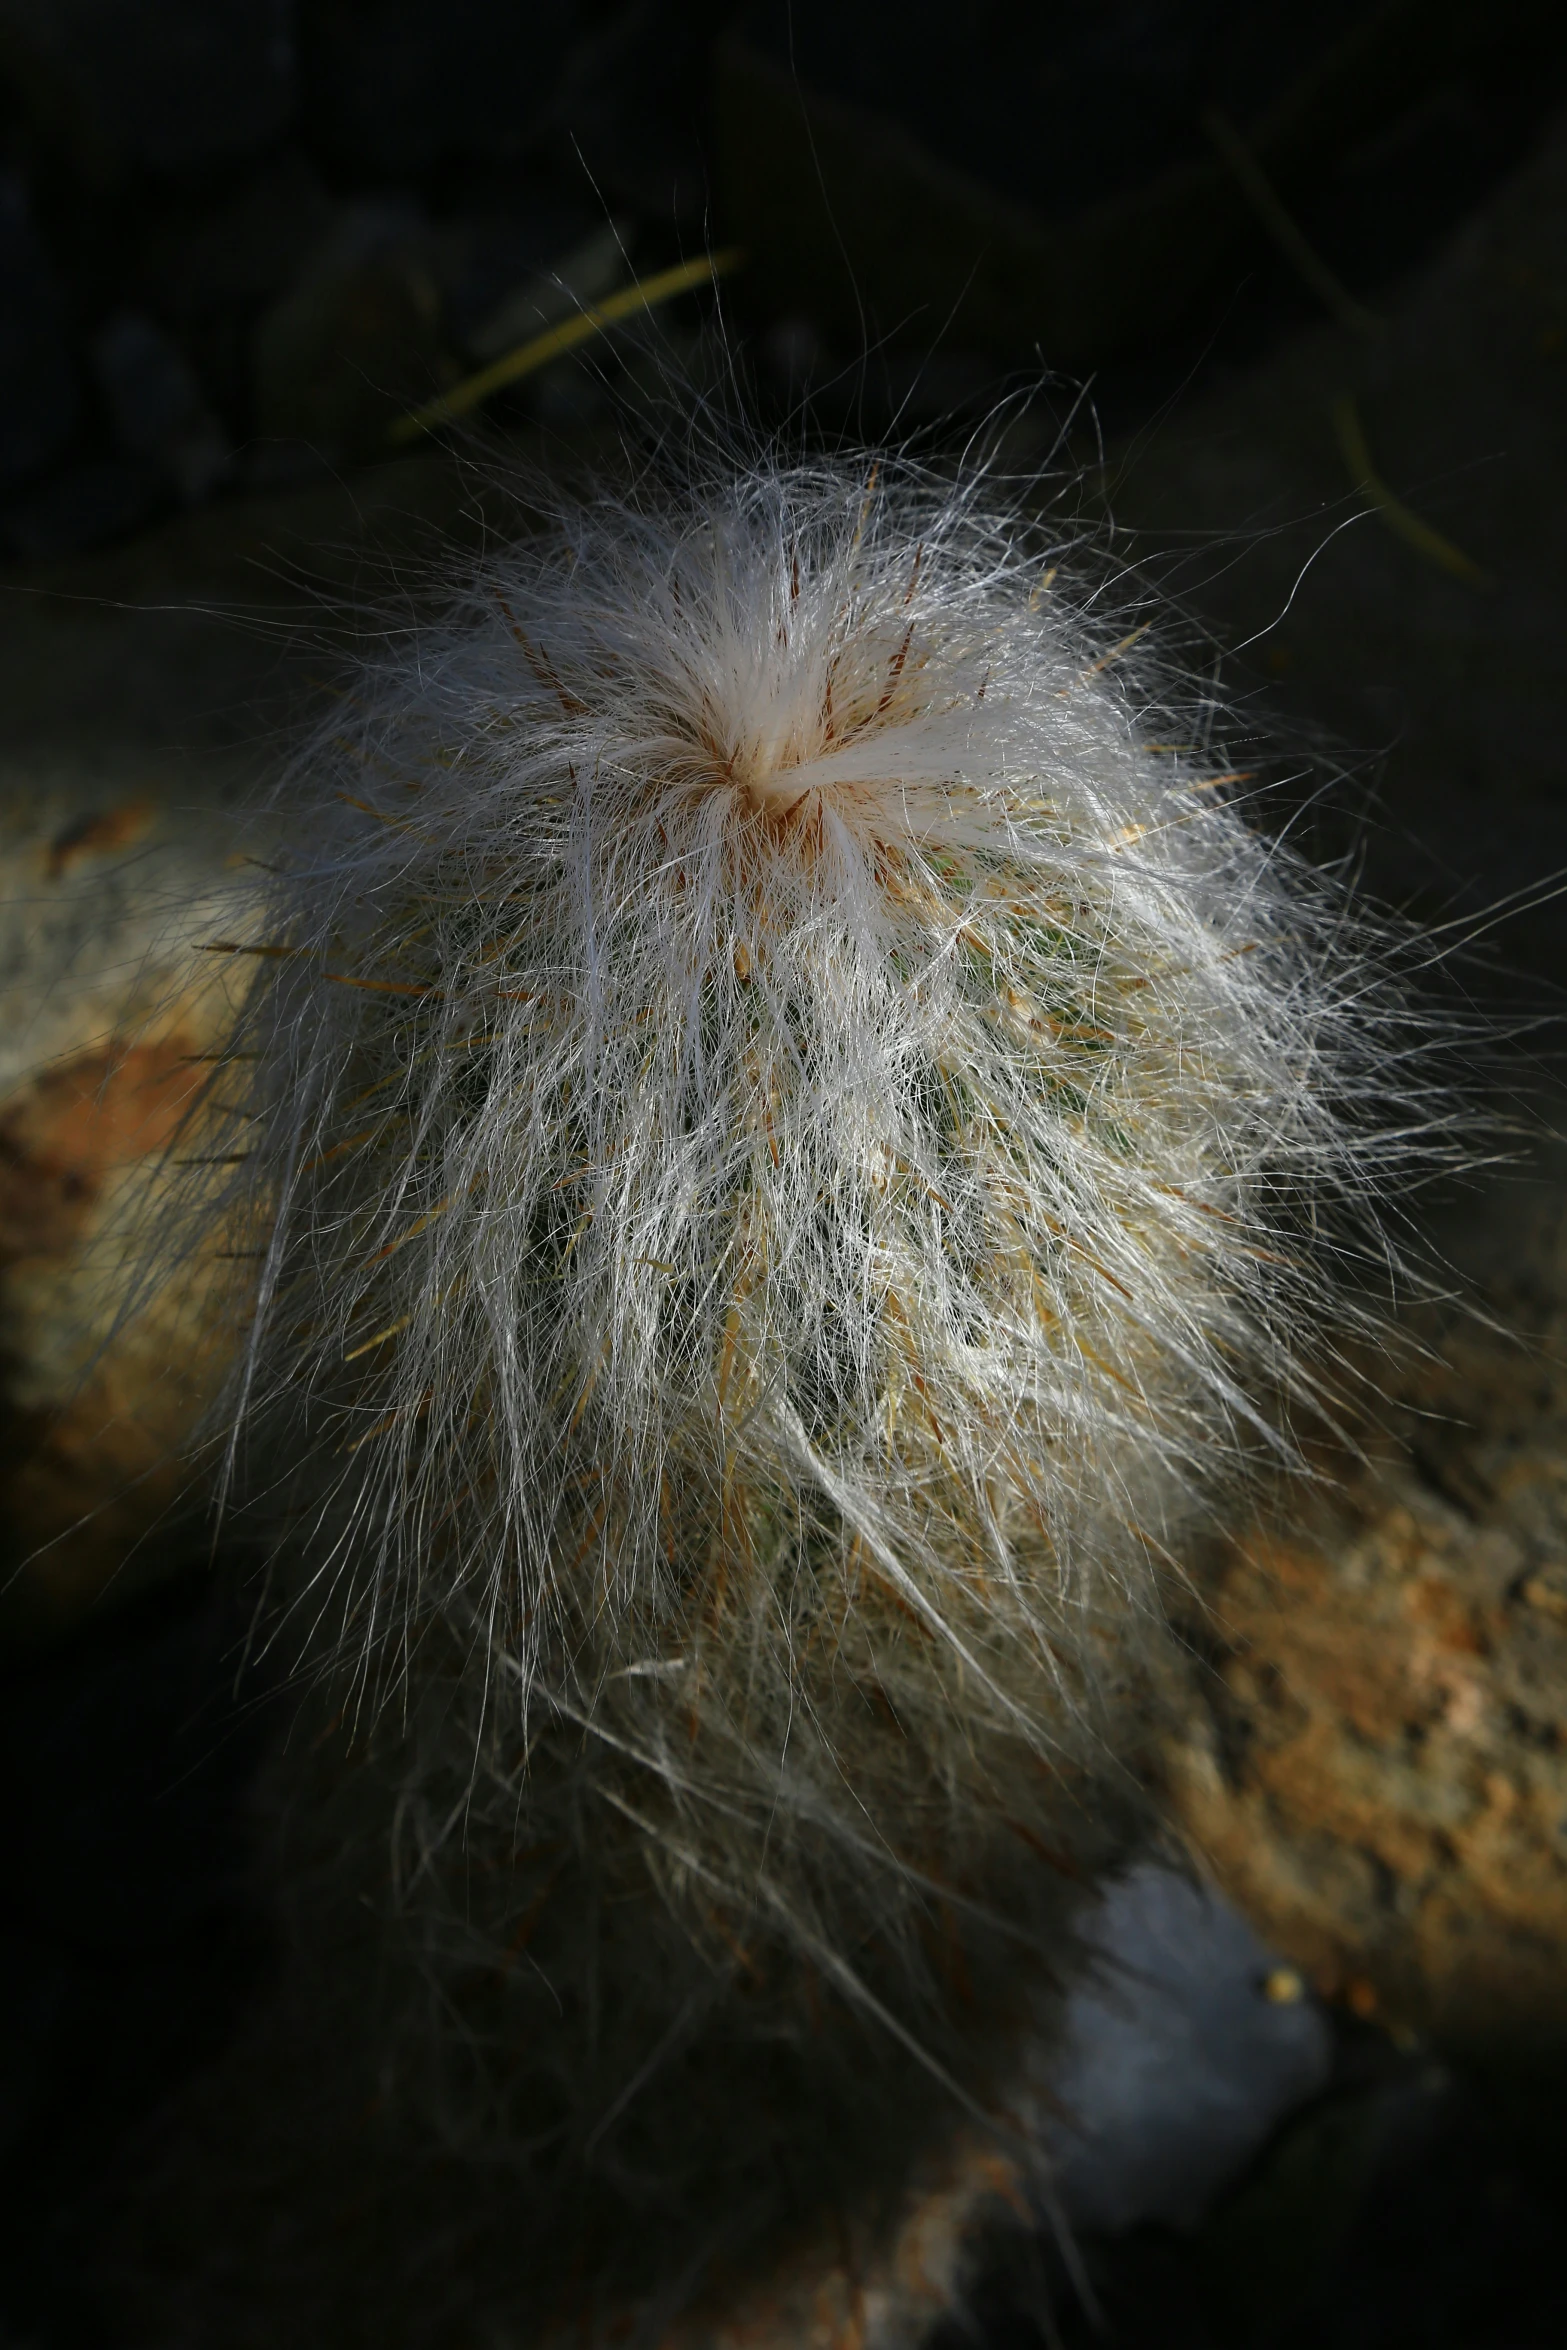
{"points": [[799, 1146]]}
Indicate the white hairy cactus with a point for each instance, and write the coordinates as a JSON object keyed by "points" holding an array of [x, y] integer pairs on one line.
{"points": [[794, 1136]]}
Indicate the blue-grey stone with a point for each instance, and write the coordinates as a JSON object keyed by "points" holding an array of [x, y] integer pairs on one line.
{"points": [[1184, 2047]]}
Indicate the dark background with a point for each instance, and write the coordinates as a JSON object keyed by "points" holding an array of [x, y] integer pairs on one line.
{"points": [[239, 238]]}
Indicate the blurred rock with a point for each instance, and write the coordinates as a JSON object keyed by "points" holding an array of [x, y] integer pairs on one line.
{"points": [[40, 398], [198, 259], [482, 258], [357, 340], [205, 267], [397, 87], [1379, 1776], [586, 272], [157, 407], [98, 499], [170, 86], [105, 1003]]}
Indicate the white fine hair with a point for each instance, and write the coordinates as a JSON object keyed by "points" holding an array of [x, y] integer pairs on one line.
{"points": [[799, 1139]]}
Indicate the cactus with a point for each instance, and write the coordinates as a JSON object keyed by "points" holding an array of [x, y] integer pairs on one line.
{"points": [[798, 1143]]}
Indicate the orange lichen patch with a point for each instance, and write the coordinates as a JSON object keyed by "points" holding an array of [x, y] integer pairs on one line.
{"points": [[1445, 1616], [1379, 1773], [61, 1137], [99, 835], [95, 1421]]}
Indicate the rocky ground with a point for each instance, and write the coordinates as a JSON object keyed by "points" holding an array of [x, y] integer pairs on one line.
{"points": [[1379, 1775]]}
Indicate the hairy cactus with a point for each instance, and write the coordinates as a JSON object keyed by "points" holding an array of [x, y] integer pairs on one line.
{"points": [[796, 1139]]}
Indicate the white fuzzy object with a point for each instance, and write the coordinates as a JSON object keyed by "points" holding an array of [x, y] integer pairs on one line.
{"points": [[794, 1132]]}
